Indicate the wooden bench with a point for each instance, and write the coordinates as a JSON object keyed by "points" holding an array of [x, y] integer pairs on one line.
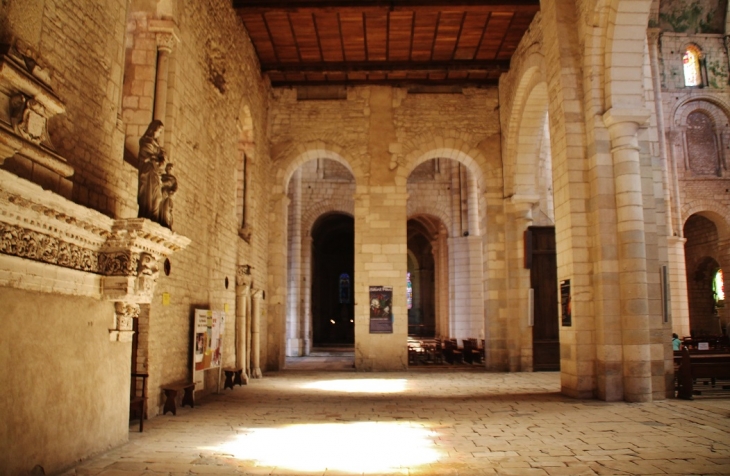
{"points": [[698, 365], [138, 398], [171, 392], [452, 352], [234, 376]]}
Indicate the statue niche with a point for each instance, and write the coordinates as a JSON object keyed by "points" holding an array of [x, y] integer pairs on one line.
{"points": [[156, 182]]}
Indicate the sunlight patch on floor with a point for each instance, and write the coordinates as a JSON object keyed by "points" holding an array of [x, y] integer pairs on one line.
{"points": [[361, 385], [359, 447]]}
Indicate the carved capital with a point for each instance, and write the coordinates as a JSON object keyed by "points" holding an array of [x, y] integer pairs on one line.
{"points": [[165, 42], [243, 276], [166, 34], [124, 313]]}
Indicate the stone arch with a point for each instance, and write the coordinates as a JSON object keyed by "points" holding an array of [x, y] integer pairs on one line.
{"points": [[441, 213], [447, 148], [310, 217], [525, 127], [247, 155], [625, 43], [294, 157], [716, 108], [713, 211]]}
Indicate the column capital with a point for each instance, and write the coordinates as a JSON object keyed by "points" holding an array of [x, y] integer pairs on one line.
{"points": [[653, 34], [623, 123], [166, 34]]}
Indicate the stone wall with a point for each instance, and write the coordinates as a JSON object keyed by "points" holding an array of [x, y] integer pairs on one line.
{"points": [[66, 386], [216, 102], [101, 58]]}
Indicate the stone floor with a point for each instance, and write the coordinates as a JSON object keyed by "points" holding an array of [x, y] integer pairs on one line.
{"points": [[322, 418]]}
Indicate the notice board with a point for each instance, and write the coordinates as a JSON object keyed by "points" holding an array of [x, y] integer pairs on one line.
{"points": [[207, 342]]}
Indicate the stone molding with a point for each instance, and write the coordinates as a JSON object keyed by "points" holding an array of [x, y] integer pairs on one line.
{"points": [[42, 226], [166, 34]]}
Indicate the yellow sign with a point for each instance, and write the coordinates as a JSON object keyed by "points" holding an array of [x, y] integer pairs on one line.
{"points": [[165, 299]]}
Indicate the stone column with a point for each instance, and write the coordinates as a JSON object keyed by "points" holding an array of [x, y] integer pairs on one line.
{"points": [[518, 214], [473, 204], [678, 285], [256, 298], [243, 312], [293, 330], [277, 282], [623, 125], [166, 39], [306, 300]]}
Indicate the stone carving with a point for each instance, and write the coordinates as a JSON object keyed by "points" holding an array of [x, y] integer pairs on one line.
{"points": [[124, 315], [27, 117], [147, 265], [121, 263], [169, 187], [30, 244], [243, 275], [151, 165]]}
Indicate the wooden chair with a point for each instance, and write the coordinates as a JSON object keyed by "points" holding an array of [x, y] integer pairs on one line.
{"points": [[138, 398], [474, 350], [452, 353]]}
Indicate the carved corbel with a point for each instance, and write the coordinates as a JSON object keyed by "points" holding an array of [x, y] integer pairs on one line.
{"points": [[124, 313]]}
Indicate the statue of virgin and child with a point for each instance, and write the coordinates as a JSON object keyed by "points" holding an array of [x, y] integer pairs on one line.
{"points": [[157, 185]]}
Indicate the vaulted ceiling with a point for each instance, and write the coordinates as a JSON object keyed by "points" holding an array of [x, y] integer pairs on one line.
{"points": [[313, 42]]}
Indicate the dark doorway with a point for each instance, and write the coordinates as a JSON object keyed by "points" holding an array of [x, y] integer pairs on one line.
{"points": [[542, 261], [422, 310], [333, 264]]}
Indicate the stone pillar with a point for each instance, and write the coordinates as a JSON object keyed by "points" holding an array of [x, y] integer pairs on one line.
{"points": [[293, 329], [518, 216], [381, 260], [306, 300], [277, 282], [256, 298], [243, 313], [623, 125], [678, 285], [473, 204], [166, 39]]}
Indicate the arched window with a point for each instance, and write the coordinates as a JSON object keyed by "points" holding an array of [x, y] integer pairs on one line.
{"points": [[718, 288], [409, 291], [344, 288], [691, 61]]}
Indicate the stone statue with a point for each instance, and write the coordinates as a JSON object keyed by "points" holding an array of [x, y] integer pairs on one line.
{"points": [[169, 187], [151, 164]]}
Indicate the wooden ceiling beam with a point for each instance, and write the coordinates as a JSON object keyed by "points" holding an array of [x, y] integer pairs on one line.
{"points": [[392, 82], [387, 66], [308, 6]]}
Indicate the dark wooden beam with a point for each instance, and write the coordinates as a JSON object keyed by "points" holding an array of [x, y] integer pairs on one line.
{"points": [[303, 6], [387, 66], [402, 83]]}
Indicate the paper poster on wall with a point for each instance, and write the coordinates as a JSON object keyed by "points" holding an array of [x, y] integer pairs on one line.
{"points": [[565, 304], [207, 342], [381, 309]]}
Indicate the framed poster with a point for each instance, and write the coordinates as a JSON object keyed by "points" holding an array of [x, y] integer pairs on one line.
{"points": [[381, 309], [207, 342], [565, 304]]}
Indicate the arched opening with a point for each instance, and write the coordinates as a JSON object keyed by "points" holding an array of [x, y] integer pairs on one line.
{"points": [[702, 255], [333, 265], [691, 66], [421, 275]]}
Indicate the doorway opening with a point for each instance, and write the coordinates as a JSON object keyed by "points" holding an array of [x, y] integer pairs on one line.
{"points": [[333, 265]]}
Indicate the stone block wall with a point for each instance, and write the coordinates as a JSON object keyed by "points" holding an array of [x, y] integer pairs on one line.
{"points": [[101, 59], [215, 111]]}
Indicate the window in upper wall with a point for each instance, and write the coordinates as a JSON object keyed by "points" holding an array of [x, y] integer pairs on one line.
{"points": [[718, 288], [691, 61]]}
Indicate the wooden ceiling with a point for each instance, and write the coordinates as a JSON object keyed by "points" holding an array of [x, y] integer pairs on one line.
{"points": [[314, 42]]}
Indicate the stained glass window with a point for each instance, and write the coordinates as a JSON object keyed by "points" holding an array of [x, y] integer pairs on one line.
{"points": [[409, 291], [344, 288], [691, 60], [718, 288]]}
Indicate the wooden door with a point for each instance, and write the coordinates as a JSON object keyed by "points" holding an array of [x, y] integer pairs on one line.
{"points": [[540, 241]]}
